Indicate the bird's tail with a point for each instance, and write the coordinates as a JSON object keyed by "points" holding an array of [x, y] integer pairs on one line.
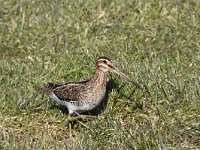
{"points": [[48, 89]]}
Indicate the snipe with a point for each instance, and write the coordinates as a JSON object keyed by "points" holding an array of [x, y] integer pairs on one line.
{"points": [[85, 95]]}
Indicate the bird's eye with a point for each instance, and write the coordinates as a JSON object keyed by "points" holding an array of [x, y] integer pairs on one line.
{"points": [[104, 62]]}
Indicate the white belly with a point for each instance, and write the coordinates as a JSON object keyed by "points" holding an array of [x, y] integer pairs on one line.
{"points": [[77, 107]]}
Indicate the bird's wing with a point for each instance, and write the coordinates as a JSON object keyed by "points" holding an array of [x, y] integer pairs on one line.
{"points": [[68, 92]]}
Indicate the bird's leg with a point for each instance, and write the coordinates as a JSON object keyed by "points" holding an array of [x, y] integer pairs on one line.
{"points": [[79, 116], [83, 117]]}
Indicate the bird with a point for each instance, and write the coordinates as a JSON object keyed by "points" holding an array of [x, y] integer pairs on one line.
{"points": [[85, 95]]}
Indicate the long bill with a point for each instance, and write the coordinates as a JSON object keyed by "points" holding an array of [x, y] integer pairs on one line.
{"points": [[117, 71]]}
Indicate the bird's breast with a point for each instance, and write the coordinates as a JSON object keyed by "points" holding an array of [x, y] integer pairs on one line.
{"points": [[93, 94]]}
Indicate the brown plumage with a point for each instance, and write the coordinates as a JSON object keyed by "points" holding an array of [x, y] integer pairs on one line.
{"points": [[85, 95]]}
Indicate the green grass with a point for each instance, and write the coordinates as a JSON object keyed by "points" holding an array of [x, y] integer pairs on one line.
{"points": [[155, 42]]}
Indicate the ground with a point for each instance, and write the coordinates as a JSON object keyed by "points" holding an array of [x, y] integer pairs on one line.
{"points": [[154, 42]]}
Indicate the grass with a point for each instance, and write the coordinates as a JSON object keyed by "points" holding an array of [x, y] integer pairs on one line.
{"points": [[154, 42]]}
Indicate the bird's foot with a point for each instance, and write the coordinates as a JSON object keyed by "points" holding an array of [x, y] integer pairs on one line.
{"points": [[81, 117]]}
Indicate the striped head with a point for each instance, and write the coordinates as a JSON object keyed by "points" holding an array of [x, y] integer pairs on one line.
{"points": [[104, 64]]}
